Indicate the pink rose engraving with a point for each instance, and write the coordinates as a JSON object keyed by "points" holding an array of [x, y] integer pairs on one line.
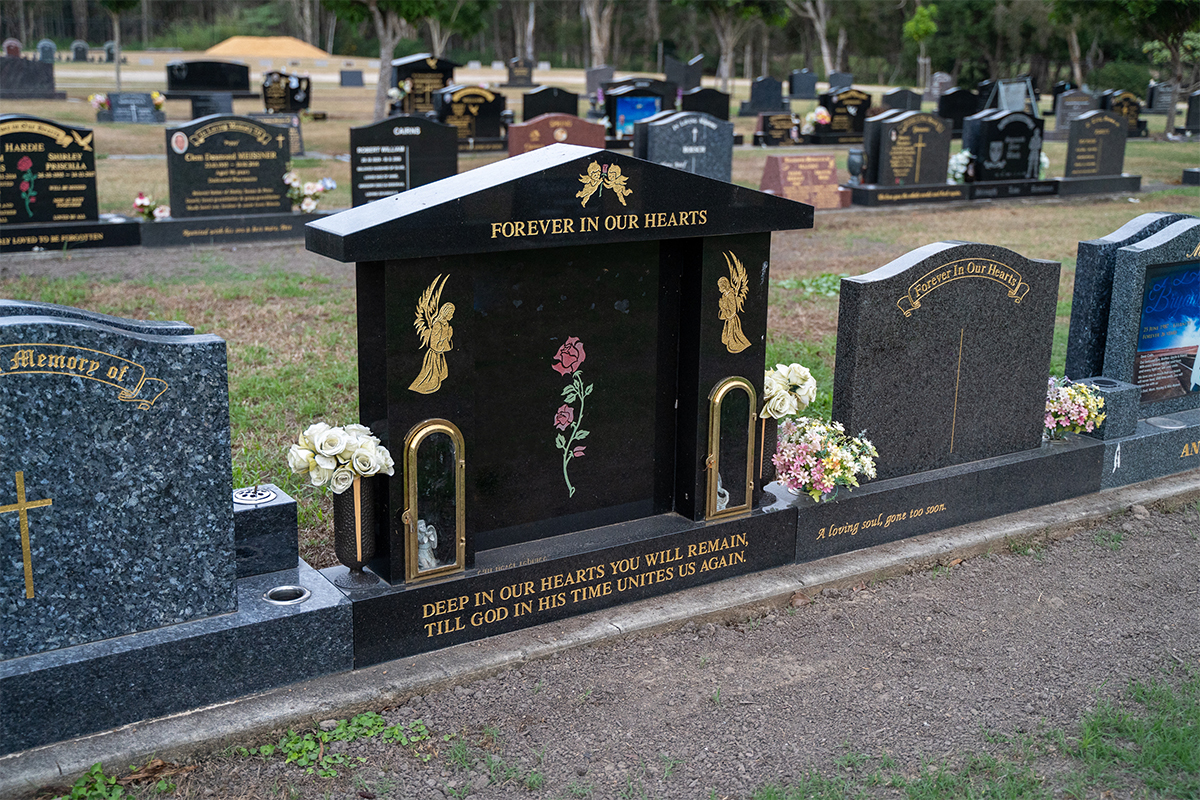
{"points": [[578, 451], [25, 163], [571, 356], [564, 417]]}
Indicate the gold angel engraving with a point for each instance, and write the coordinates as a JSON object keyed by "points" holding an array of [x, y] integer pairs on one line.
{"points": [[733, 297], [599, 178], [433, 326]]}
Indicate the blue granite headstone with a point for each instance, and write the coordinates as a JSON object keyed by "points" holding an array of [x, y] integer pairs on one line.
{"points": [[115, 514], [1093, 291], [943, 355], [1153, 340]]}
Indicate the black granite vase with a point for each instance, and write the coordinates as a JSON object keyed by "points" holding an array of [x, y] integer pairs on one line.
{"points": [[354, 524], [768, 443]]}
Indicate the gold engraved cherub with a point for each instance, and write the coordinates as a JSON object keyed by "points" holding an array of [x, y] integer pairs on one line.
{"points": [[591, 182], [733, 297], [616, 181], [433, 326]]}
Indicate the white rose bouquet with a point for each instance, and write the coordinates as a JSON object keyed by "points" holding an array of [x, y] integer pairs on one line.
{"points": [[336, 456], [306, 194], [787, 390]]}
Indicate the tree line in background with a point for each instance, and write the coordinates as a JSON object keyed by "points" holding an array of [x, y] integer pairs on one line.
{"points": [[1109, 43]]}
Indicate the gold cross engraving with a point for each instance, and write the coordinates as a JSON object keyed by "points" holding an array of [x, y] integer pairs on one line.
{"points": [[22, 508]]}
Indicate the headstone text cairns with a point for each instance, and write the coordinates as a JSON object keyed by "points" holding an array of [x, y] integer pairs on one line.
{"points": [[398, 154]]}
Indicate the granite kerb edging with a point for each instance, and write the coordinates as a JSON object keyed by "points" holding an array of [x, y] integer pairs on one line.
{"points": [[188, 735]]}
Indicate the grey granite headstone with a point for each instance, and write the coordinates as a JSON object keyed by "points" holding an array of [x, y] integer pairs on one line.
{"points": [[596, 77], [943, 355], [903, 99], [939, 84], [115, 480], [1094, 265], [692, 142], [351, 77], [766, 95], [840, 80], [1159, 97], [26, 79], [79, 50], [207, 104], [1152, 331], [1096, 145], [685, 76], [1007, 145], [802, 85], [135, 107], [110, 52], [1070, 105], [47, 50]]}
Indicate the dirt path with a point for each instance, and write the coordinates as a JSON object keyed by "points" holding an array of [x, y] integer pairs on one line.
{"points": [[923, 667]]}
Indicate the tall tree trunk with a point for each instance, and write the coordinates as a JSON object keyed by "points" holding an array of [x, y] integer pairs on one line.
{"points": [[729, 28], [79, 10], [520, 12], [817, 12], [1076, 54], [747, 57], [766, 50], [840, 60], [387, 30], [1176, 51], [530, 27], [22, 25], [330, 29], [116, 23], [600, 17], [145, 23], [653, 31]]}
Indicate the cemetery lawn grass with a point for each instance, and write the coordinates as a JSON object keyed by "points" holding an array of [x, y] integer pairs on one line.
{"points": [[288, 315]]}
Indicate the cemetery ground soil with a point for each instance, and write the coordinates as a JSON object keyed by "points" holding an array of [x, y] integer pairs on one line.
{"points": [[864, 685]]}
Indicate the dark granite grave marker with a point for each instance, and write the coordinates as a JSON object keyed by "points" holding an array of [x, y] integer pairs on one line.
{"points": [[871, 131], [956, 105], [1127, 105], [567, 265], [1056, 91], [47, 50], [549, 129], [12, 48], [133, 107], [595, 78], [1070, 105], [943, 355], [286, 94], [79, 51], [627, 104], [1159, 97], [1191, 123], [225, 165], [811, 179], [187, 77], [47, 172], [766, 97], [939, 84], [420, 77], [350, 77], [548, 100], [914, 149], [520, 73], [110, 51], [692, 142], [902, 99], [802, 84], [706, 101], [398, 154], [125, 525], [292, 123], [777, 130], [685, 76], [476, 112], [840, 80], [26, 79], [1096, 146], [1152, 337], [848, 109], [210, 103], [1007, 145], [1094, 269], [641, 127]]}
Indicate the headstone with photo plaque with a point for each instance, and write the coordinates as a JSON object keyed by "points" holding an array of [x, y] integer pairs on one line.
{"points": [[548, 100], [227, 166], [943, 354], [398, 154], [548, 129], [692, 142], [811, 179], [627, 104], [286, 94], [649, 320], [1007, 145], [476, 112]]}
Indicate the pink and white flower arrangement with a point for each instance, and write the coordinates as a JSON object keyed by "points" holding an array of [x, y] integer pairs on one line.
{"points": [[159, 100], [146, 208], [1072, 407], [816, 457], [100, 101], [306, 194], [338, 455]]}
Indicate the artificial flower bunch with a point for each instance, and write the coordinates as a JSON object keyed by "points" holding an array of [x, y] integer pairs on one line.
{"points": [[816, 457], [146, 207], [338, 455], [306, 194], [787, 390], [1072, 407], [819, 116], [960, 162], [1043, 165], [159, 100], [100, 101]]}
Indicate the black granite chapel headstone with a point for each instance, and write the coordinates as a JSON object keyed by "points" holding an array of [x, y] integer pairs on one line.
{"points": [[685, 76], [225, 165], [766, 96], [956, 105], [802, 85], [420, 77], [398, 154], [47, 50], [848, 109], [1153, 339], [1007, 145], [1191, 124], [520, 73], [692, 142], [943, 355], [47, 172], [476, 112], [1092, 298], [564, 267], [902, 99], [548, 100], [840, 80], [27, 79], [187, 77], [125, 524], [79, 51]]}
